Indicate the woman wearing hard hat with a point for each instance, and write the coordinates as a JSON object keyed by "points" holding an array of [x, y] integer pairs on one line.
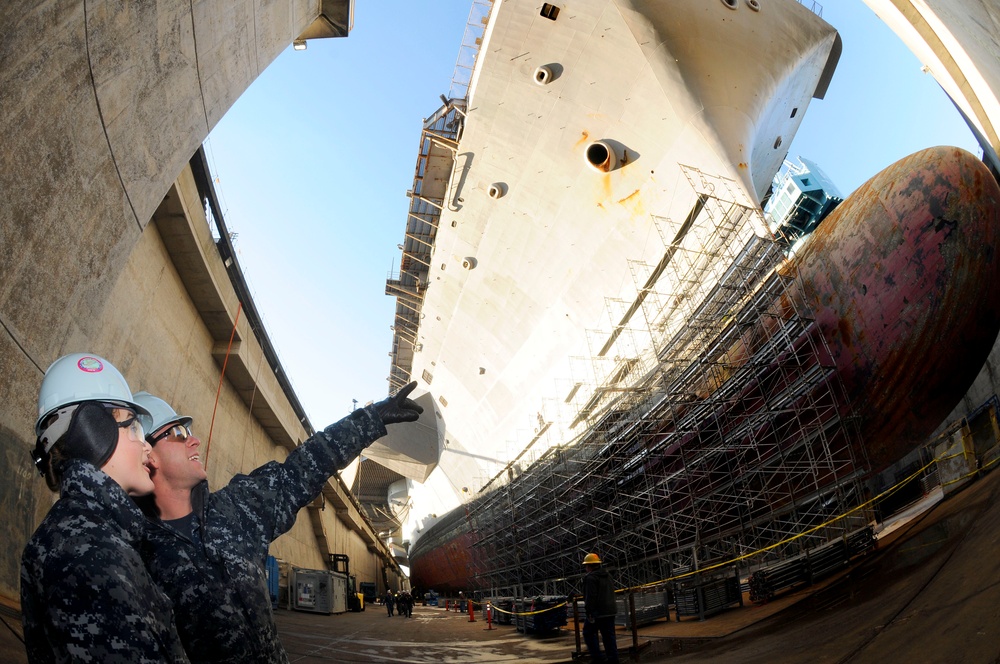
{"points": [[85, 594]]}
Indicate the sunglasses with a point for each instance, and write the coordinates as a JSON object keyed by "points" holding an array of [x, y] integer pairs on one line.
{"points": [[178, 432]]}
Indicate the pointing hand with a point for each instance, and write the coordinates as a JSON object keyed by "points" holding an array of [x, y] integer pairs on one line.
{"points": [[398, 408]]}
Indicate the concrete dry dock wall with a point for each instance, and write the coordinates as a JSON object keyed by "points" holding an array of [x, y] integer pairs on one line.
{"points": [[176, 295], [958, 42], [102, 104]]}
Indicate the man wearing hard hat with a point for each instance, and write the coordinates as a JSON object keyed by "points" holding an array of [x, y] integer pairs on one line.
{"points": [[206, 549], [600, 609]]}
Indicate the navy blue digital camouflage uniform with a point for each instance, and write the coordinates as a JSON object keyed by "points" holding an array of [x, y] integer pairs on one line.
{"points": [[85, 594], [217, 579]]}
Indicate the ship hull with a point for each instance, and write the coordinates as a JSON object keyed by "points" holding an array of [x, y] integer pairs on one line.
{"points": [[445, 568], [903, 279], [900, 282], [532, 239]]}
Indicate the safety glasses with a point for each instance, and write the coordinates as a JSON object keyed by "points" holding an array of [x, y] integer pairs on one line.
{"points": [[130, 423], [178, 433]]}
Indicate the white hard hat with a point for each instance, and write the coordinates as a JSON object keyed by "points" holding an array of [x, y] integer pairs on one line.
{"points": [[73, 379], [161, 412]]}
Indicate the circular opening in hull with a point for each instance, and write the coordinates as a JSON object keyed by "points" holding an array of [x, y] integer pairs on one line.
{"points": [[601, 157], [543, 75]]}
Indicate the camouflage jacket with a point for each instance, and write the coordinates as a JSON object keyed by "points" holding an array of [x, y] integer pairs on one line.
{"points": [[217, 581], [85, 594]]}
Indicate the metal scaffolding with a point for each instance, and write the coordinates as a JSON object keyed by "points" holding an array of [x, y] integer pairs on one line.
{"points": [[428, 197], [715, 430]]}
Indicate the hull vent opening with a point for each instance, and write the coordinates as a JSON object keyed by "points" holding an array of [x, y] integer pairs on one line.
{"points": [[601, 157], [544, 75]]}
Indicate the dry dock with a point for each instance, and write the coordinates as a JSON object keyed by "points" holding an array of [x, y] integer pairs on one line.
{"points": [[930, 593]]}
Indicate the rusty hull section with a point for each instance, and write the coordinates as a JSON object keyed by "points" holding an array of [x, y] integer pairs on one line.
{"points": [[904, 280], [445, 568]]}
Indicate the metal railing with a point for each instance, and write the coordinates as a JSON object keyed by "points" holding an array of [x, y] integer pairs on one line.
{"points": [[472, 41], [812, 6]]}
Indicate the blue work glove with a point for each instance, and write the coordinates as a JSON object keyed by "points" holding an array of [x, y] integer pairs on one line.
{"points": [[398, 408]]}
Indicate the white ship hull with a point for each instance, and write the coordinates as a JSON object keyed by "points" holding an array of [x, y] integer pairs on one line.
{"points": [[539, 252]]}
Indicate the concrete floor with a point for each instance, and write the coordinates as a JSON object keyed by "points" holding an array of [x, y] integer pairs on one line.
{"points": [[930, 593], [431, 635]]}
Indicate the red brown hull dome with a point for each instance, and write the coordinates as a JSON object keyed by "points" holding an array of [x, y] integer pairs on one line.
{"points": [[903, 279]]}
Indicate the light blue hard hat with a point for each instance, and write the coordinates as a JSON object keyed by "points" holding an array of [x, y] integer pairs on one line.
{"points": [[161, 412], [79, 377]]}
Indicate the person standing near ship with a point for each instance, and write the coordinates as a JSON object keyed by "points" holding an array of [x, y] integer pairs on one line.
{"points": [[207, 550], [85, 594], [600, 609], [405, 601]]}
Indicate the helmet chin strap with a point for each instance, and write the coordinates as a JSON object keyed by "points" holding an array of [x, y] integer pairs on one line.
{"points": [[40, 457]]}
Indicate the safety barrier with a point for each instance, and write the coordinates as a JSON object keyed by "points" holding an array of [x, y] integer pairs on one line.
{"points": [[540, 614], [662, 583], [504, 609], [810, 567]]}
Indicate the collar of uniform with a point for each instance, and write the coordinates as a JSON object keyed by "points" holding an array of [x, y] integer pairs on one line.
{"points": [[199, 499], [82, 480]]}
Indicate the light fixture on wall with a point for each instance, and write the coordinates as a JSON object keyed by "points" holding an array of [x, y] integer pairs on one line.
{"points": [[299, 44]]}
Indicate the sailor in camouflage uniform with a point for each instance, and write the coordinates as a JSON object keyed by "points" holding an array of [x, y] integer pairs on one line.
{"points": [[208, 550], [85, 594]]}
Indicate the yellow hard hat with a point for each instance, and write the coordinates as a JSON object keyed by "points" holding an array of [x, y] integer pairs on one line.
{"points": [[591, 559]]}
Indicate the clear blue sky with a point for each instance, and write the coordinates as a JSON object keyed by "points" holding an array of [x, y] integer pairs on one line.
{"points": [[313, 162]]}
